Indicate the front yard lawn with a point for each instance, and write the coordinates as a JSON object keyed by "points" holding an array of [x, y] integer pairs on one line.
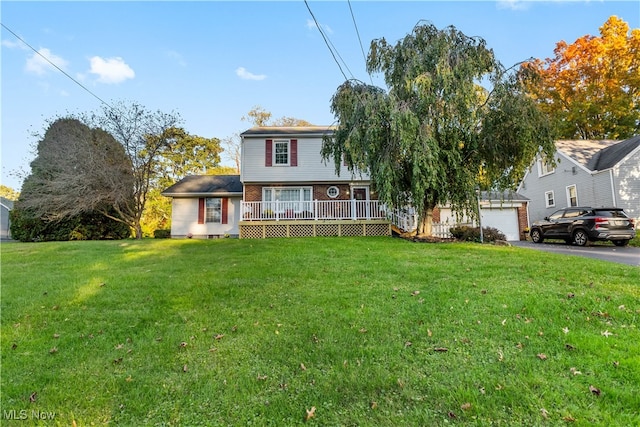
{"points": [[326, 331]]}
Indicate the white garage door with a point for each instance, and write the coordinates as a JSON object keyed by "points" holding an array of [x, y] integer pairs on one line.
{"points": [[505, 220]]}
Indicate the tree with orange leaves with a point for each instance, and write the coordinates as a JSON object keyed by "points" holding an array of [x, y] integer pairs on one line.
{"points": [[591, 88]]}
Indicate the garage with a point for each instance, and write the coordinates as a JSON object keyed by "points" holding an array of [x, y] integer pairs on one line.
{"points": [[505, 220], [499, 210]]}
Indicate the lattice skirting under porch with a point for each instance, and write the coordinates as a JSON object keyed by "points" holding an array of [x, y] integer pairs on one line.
{"points": [[269, 229]]}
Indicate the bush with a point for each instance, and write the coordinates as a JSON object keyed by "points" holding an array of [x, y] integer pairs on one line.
{"points": [[161, 234], [472, 234], [26, 227]]}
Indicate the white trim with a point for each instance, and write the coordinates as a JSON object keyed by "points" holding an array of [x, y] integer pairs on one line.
{"points": [[613, 189], [546, 199], [333, 192], [212, 209], [365, 187], [274, 150], [541, 166], [569, 196]]}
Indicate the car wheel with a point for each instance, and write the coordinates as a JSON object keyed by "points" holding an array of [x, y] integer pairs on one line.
{"points": [[620, 242], [580, 238], [536, 236]]}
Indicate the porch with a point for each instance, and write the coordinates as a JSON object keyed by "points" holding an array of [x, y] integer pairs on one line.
{"points": [[327, 218], [313, 218]]}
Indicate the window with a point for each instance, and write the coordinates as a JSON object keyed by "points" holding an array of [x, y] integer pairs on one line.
{"points": [[556, 215], [333, 192], [281, 152], [572, 196], [213, 210], [550, 200], [282, 199], [544, 168]]}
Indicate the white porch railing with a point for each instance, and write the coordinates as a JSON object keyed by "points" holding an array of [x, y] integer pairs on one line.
{"points": [[313, 210], [404, 219], [407, 220]]}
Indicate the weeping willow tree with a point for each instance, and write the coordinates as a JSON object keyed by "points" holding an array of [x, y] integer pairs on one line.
{"points": [[436, 134]]}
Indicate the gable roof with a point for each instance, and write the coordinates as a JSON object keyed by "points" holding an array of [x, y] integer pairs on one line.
{"points": [[612, 155], [288, 130], [597, 155], [505, 196], [206, 185], [6, 203]]}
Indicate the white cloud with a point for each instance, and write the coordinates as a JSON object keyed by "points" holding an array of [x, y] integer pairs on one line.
{"points": [[37, 64], [513, 4], [246, 75], [111, 70], [311, 24], [14, 45], [177, 57]]}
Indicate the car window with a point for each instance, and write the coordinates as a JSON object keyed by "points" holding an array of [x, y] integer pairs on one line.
{"points": [[573, 213], [611, 213], [556, 215]]}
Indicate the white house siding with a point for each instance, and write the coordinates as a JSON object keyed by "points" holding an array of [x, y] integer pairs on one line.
{"points": [[310, 165], [593, 190], [626, 180], [184, 219], [5, 232]]}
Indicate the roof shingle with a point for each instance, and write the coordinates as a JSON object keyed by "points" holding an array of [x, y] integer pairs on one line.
{"points": [[205, 185]]}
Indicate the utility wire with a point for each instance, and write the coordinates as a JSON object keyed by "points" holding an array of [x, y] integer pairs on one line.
{"points": [[58, 68], [359, 39], [326, 41]]}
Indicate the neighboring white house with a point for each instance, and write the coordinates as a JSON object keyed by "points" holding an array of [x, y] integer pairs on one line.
{"points": [[5, 224], [587, 173], [205, 206], [285, 189]]}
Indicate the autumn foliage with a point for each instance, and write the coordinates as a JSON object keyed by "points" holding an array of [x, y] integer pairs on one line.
{"points": [[591, 88]]}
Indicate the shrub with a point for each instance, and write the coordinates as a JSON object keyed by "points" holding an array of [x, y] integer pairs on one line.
{"points": [[472, 234], [90, 226], [161, 234]]}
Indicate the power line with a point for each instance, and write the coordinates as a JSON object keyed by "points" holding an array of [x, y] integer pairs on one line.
{"points": [[359, 39], [58, 68], [329, 45]]}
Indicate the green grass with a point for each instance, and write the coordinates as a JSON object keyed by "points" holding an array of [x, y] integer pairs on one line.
{"points": [[246, 332]]}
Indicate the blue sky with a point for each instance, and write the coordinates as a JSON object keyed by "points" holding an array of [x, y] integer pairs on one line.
{"points": [[211, 62]]}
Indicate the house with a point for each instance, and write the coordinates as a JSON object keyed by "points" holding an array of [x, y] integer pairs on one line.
{"points": [[205, 206], [285, 189], [290, 191], [5, 224], [587, 173]]}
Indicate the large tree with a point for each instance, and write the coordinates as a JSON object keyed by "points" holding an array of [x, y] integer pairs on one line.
{"points": [[436, 135], [145, 136], [591, 88], [79, 173]]}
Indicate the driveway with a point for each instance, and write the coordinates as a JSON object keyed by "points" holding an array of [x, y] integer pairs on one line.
{"points": [[623, 255]]}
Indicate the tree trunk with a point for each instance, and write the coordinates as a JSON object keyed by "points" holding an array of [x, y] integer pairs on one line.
{"points": [[138, 231], [425, 222]]}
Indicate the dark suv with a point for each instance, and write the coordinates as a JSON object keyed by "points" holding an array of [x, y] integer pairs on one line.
{"points": [[579, 225]]}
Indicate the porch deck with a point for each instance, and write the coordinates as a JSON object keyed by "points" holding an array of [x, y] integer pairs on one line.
{"points": [[262, 220], [313, 218]]}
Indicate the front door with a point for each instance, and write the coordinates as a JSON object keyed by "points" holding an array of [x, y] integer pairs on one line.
{"points": [[360, 195]]}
